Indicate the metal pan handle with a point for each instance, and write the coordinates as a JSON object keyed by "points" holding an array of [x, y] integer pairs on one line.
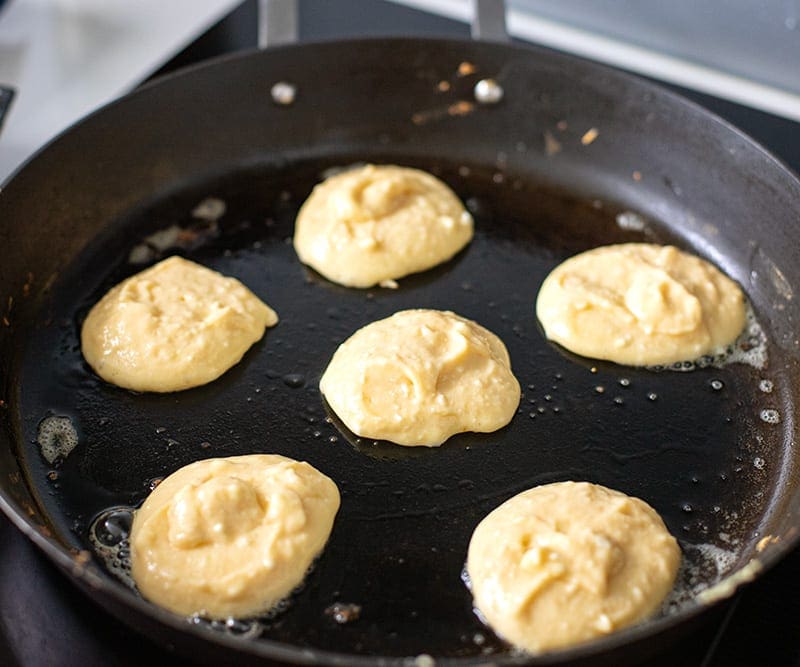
{"points": [[278, 21], [489, 21]]}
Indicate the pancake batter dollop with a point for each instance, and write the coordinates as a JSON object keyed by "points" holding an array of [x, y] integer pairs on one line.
{"points": [[375, 224], [420, 376], [173, 326], [640, 304], [563, 563], [231, 537]]}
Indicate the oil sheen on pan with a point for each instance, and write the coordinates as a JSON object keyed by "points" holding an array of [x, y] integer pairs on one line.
{"points": [[695, 445]]}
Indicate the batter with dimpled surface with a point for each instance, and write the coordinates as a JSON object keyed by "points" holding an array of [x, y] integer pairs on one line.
{"points": [[420, 376], [640, 304], [563, 563], [374, 224], [171, 327], [231, 537]]}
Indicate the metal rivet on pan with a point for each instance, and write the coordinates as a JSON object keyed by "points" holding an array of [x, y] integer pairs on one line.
{"points": [[283, 93], [488, 91]]}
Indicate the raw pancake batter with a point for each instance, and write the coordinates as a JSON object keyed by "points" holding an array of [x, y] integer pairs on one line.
{"points": [[640, 304], [562, 563], [374, 224], [231, 537], [173, 326], [420, 376]]}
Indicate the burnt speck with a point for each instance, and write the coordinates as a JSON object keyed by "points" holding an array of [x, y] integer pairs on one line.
{"points": [[465, 69]]}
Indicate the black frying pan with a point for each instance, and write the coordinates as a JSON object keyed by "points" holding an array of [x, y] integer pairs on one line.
{"points": [[693, 444]]}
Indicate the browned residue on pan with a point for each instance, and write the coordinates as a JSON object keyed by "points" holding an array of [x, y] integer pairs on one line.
{"points": [[7, 316], [764, 542], [80, 559], [26, 288], [551, 144], [590, 135], [466, 68], [460, 108]]}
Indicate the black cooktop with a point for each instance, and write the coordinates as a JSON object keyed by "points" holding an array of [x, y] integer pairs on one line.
{"points": [[44, 620]]}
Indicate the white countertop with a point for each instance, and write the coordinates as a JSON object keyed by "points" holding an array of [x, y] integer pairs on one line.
{"points": [[66, 58]]}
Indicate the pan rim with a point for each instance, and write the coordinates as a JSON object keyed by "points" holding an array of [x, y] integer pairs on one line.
{"points": [[658, 88], [87, 578], [265, 648]]}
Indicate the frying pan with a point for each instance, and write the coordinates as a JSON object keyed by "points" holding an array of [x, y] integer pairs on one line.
{"points": [[693, 444]]}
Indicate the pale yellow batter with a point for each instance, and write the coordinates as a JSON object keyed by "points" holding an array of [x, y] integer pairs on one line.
{"points": [[231, 537], [420, 376], [375, 224], [173, 326], [563, 563], [640, 304]]}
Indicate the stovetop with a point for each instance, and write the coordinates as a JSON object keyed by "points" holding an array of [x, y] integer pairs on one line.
{"points": [[45, 620]]}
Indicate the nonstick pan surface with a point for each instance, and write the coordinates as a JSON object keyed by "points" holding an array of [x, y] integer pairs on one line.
{"points": [[710, 448]]}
